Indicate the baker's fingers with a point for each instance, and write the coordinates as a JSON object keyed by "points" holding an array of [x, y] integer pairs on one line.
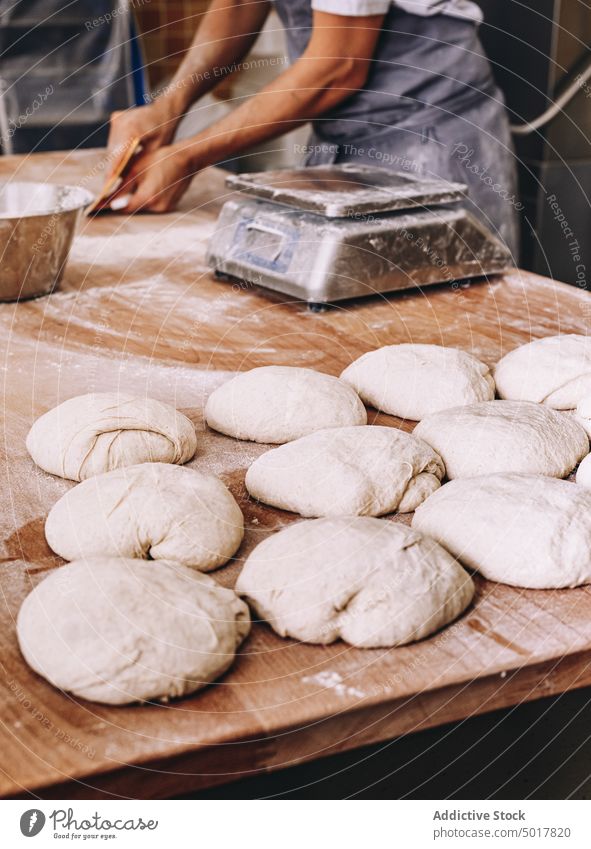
{"points": [[112, 202], [127, 185], [114, 183], [139, 171], [150, 142], [129, 179], [147, 198], [122, 132], [143, 200]]}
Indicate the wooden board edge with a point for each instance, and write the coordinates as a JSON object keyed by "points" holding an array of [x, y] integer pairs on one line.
{"points": [[216, 765]]}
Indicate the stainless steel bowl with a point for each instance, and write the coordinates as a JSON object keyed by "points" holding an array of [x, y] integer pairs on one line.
{"points": [[37, 225]]}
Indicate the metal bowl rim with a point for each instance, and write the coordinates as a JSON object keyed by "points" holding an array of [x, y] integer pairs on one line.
{"points": [[85, 196]]}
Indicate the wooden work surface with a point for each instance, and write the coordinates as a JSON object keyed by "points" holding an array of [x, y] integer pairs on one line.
{"points": [[138, 311]]}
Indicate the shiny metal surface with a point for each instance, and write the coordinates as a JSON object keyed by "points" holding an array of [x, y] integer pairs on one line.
{"points": [[37, 225], [345, 191], [322, 260]]}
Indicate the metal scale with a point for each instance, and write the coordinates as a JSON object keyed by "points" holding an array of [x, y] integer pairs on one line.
{"points": [[329, 233]]}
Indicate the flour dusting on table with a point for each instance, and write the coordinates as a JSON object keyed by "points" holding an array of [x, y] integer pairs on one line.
{"points": [[331, 680]]}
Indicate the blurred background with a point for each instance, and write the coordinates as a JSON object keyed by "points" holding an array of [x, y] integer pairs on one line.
{"points": [[66, 65]]}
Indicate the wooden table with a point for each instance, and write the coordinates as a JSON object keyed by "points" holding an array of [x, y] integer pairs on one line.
{"points": [[140, 312]]}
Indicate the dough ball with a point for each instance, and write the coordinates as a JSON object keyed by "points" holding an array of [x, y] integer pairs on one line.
{"points": [[504, 436], [91, 434], [280, 403], [120, 631], [412, 381], [555, 371], [523, 530], [151, 511], [370, 582], [583, 476], [583, 414], [363, 471]]}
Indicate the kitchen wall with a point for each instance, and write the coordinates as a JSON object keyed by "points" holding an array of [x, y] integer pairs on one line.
{"points": [[167, 28]]}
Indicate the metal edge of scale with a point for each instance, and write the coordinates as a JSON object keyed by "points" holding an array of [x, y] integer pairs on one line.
{"points": [[323, 259], [345, 191]]}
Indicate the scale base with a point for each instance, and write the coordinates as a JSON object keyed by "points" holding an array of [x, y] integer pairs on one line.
{"points": [[321, 260]]}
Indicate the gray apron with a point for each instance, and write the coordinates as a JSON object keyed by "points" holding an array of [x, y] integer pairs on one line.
{"points": [[430, 106]]}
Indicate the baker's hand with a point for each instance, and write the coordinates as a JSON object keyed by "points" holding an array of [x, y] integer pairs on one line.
{"points": [[156, 180], [154, 124]]}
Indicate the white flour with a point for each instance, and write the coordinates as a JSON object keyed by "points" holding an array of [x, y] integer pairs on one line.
{"points": [[331, 680]]}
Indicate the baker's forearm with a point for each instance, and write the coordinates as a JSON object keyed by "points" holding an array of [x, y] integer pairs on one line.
{"points": [[305, 91], [225, 36], [333, 67]]}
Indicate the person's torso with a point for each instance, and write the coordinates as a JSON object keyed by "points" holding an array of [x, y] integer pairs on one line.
{"points": [[421, 62]]}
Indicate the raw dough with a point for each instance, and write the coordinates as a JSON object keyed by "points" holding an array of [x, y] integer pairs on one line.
{"points": [[95, 433], [280, 403], [120, 631], [366, 471], [524, 530], [152, 510], [583, 414], [370, 582], [555, 371], [412, 381], [583, 476], [505, 436]]}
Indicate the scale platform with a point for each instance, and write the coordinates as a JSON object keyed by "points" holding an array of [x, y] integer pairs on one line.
{"points": [[328, 233]]}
